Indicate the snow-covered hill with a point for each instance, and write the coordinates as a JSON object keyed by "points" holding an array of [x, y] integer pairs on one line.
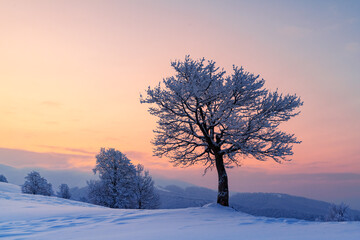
{"points": [[25, 216]]}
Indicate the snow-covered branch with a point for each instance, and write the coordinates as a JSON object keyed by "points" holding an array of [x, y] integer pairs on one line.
{"points": [[201, 111]]}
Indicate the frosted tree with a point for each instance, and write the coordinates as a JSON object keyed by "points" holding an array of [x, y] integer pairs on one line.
{"points": [[207, 117], [64, 191], [116, 173], [35, 184], [338, 213], [97, 193], [145, 196], [3, 178]]}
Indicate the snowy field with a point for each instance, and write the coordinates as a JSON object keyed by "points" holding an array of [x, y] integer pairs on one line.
{"points": [[25, 216]]}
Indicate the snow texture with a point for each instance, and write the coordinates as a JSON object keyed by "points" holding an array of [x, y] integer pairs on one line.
{"points": [[24, 216]]}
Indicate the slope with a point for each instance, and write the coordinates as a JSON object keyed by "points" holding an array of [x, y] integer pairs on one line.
{"points": [[39, 217]]}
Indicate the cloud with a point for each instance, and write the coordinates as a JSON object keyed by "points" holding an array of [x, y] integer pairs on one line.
{"points": [[148, 160], [52, 104], [76, 159], [52, 122], [74, 150], [22, 158], [113, 139]]}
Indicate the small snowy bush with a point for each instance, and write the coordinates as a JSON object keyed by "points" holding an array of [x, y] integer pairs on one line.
{"points": [[64, 191], [3, 178], [35, 184]]}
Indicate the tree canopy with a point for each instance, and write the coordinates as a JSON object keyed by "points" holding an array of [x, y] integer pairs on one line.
{"points": [[35, 184], [208, 117], [121, 184]]}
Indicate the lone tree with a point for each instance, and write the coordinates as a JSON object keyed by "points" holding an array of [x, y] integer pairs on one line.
{"points": [[210, 118]]}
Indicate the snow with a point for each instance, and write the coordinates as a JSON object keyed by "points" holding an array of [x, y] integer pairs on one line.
{"points": [[24, 216], [10, 188]]}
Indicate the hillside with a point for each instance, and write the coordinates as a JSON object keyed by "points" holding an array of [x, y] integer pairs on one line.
{"points": [[39, 217], [275, 205]]}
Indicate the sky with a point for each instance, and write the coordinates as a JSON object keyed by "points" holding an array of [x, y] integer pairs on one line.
{"points": [[71, 75]]}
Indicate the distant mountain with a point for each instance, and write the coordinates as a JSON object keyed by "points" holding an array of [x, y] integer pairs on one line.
{"points": [[73, 178], [283, 206], [55, 177], [176, 197], [258, 204]]}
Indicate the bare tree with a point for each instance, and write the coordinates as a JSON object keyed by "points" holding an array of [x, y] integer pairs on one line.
{"points": [[210, 118]]}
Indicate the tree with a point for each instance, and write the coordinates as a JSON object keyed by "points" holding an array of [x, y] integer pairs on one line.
{"points": [[116, 173], [97, 193], [3, 178], [64, 191], [144, 191], [338, 213], [35, 184], [209, 118]]}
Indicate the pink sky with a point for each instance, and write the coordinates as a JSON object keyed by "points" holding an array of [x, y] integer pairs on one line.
{"points": [[71, 74]]}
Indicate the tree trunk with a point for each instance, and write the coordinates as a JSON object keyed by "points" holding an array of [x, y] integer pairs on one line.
{"points": [[223, 189]]}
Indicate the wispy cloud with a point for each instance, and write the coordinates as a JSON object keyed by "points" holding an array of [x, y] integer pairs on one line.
{"points": [[52, 104], [51, 122], [67, 149], [147, 159], [22, 158]]}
